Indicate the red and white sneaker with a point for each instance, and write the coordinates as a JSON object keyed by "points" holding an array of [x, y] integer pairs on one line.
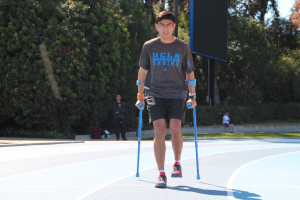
{"points": [[176, 173], [162, 181]]}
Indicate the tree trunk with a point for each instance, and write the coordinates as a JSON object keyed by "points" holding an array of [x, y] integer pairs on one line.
{"points": [[217, 97], [148, 4]]}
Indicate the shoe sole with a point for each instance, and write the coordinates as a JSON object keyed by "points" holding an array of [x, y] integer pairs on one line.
{"points": [[161, 185], [176, 176]]}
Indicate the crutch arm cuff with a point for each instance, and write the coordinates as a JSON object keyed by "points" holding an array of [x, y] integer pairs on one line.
{"points": [[138, 83], [193, 82]]}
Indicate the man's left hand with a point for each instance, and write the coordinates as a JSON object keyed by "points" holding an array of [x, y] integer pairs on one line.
{"points": [[193, 102]]}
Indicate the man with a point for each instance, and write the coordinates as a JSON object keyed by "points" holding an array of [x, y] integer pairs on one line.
{"points": [[166, 63], [226, 122], [119, 120]]}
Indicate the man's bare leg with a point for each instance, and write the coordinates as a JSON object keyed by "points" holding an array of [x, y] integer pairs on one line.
{"points": [[160, 129], [177, 143], [177, 140], [232, 127]]}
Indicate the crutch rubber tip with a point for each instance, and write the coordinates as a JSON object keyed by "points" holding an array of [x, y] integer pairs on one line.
{"points": [[137, 175], [198, 177]]}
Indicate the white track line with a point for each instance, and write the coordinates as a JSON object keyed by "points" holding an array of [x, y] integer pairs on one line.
{"points": [[112, 158], [230, 181], [133, 174]]}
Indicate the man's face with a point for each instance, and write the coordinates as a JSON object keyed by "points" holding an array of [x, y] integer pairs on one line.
{"points": [[118, 97], [226, 114], [165, 28]]}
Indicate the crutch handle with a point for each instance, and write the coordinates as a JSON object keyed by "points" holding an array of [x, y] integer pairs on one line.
{"points": [[189, 105], [141, 106]]}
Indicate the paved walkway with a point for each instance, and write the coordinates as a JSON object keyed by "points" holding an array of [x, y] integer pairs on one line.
{"points": [[248, 169]]}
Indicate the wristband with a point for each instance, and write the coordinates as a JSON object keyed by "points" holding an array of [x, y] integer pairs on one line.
{"points": [[140, 96], [192, 96], [192, 82], [138, 83]]}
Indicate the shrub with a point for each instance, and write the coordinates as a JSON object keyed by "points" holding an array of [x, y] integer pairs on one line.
{"points": [[87, 47]]}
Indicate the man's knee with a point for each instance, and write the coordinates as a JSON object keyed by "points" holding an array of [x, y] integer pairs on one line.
{"points": [[175, 126], [160, 128]]}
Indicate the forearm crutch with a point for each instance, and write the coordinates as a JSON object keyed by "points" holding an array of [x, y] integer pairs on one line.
{"points": [[195, 133], [139, 139], [139, 134]]}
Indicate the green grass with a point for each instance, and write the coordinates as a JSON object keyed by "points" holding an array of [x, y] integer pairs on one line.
{"points": [[233, 135]]}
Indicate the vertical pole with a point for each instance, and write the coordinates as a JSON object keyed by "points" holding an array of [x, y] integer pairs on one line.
{"points": [[211, 75], [191, 8], [195, 64], [176, 5], [208, 82]]}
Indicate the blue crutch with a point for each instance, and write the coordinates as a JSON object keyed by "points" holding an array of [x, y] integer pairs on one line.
{"points": [[195, 133], [139, 139], [139, 135]]}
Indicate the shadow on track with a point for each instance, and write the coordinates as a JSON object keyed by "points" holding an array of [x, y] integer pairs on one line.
{"points": [[238, 194]]}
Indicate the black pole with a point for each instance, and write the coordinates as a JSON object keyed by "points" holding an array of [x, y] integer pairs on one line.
{"points": [[211, 75], [176, 5], [194, 61]]}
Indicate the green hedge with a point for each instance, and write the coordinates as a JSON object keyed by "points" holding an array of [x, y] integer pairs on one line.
{"points": [[87, 45], [206, 116]]}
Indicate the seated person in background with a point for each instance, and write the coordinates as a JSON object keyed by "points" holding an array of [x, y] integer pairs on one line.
{"points": [[227, 124]]}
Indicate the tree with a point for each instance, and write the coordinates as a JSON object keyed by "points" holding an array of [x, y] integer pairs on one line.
{"points": [[295, 17], [88, 48], [282, 35], [283, 81], [242, 77], [182, 7], [139, 25], [254, 8]]}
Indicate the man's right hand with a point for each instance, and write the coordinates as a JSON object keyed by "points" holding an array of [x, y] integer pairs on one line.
{"points": [[138, 102]]}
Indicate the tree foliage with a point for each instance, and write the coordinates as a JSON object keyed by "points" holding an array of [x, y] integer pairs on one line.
{"points": [[88, 48], [282, 35], [248, 52], [295, 16], [94, 48], [254, 8], [261, 68], [141, 29]]}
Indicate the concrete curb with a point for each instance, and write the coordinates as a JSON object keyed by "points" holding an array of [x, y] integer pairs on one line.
{"points": [[41, 143], [83, 137], [246, 128], [12, 141]]}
